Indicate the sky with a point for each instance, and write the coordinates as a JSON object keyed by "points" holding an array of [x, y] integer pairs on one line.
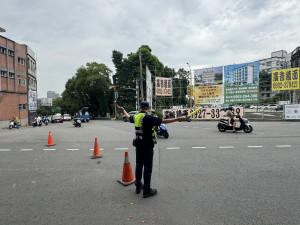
{"points": [[66, 34]]}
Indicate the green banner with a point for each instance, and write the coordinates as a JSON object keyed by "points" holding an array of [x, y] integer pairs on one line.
{"points": [[242, 94]]}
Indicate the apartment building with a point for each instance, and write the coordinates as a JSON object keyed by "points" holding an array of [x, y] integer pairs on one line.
{"points": [[18, 83], [278, 60], [245, 75]]}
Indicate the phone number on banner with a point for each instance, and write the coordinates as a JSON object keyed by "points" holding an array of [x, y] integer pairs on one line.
{"points": [[203, 114]]}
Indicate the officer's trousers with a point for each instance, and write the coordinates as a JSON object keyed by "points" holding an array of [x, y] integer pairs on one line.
{"points": [[144, 158]]}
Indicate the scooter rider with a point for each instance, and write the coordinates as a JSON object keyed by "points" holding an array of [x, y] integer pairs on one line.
{"points": [[144, 144], [230, 115]]}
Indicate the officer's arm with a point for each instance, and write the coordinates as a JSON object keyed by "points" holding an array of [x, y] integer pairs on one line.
{"points": [[124, 112], [182, 118]]}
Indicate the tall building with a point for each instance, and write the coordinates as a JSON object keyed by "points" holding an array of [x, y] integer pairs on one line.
{"points": [[17, 82], [278, 60], [52, 94]]}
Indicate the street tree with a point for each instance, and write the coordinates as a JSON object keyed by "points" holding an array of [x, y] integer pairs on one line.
{"points": [[90, 87]]}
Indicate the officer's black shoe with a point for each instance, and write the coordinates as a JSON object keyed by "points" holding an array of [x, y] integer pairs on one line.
{"points": [[149, 193], [139, 188]]}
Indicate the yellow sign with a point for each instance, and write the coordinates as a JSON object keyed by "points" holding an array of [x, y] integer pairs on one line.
{"points": [[192, 90], [286, 79], [211, 94]]}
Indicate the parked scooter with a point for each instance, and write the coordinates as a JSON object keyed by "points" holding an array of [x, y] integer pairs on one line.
{"points": [[162, 131], [12, 124], [36, 122], [244, 125], [77, 122]]}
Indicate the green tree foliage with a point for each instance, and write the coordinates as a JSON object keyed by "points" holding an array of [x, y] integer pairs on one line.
{"points": [[264, 78], [90, 87], [128, 72]]}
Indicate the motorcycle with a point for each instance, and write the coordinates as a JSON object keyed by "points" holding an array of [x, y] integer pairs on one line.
{"points": [[46, 121], [244, 125], [77, 122], [162, 131], [12, 124], [36, 122]]}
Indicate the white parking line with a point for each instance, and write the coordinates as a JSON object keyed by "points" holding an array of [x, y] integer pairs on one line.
{"points": [[5, 150], [26, 149], [72, 149], [101, 149], [121, 149], [173, 148], [226, 146], [198, 147], [283, 146], [49, 149], [255, 146]]}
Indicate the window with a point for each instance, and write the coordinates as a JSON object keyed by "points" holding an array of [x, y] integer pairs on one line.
{"points": [[22, 82], [11, 75], [268, 95], [21, 61], [3, 73], [10, 53], [2, 50], [22, 107]]}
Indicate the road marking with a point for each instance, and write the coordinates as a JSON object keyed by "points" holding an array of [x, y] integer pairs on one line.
{"points": [[49, 149], [173, 148], [283, 146], [26, 149], [185, 126], [5, 150], [101, 149], [121, 149], [196, 127], [255, 146], [198, 147], [226, 146], [72, 149]]}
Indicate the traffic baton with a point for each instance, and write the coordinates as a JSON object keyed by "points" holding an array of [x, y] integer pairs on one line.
{"points": [[189, 116]]}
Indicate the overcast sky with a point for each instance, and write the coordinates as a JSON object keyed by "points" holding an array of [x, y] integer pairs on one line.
{"points": [[66, 34]]}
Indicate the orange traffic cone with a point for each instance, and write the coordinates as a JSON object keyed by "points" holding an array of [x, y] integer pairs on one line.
{"points": [[50, 140], [127, 177], [97, 153], [27, 124]]}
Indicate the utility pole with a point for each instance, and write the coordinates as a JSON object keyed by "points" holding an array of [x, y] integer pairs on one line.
{"points": [[115, 101], [141, 77], [191, 100]]}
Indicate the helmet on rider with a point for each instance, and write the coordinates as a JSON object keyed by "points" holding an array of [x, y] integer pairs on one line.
{"points": [[231, 108]]}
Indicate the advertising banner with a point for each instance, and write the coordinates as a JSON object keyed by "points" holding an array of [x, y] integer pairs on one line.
{"points": [[292, 112], [209, 86], [32, 100], [241, 83], [149, 86], [163, 86], [286, 79], [203, 114]]}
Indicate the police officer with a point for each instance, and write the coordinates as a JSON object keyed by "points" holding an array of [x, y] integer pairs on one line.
{"points": [[144, 143]]}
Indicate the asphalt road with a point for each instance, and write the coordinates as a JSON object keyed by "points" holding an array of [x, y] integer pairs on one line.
{"points": [[202, 176]]}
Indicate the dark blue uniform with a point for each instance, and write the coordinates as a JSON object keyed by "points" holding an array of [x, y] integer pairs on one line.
{"points": [[144, 151]]}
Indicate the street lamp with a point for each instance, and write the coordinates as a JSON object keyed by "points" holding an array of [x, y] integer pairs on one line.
{"points": [[2, 30]]}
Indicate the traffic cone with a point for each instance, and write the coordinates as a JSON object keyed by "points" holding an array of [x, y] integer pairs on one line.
{"points": [[127, 177], [50, 140], [27, 124], [97, 153]]}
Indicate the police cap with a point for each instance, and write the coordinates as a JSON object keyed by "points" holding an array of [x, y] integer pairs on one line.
{"points": [[144, 105]]}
